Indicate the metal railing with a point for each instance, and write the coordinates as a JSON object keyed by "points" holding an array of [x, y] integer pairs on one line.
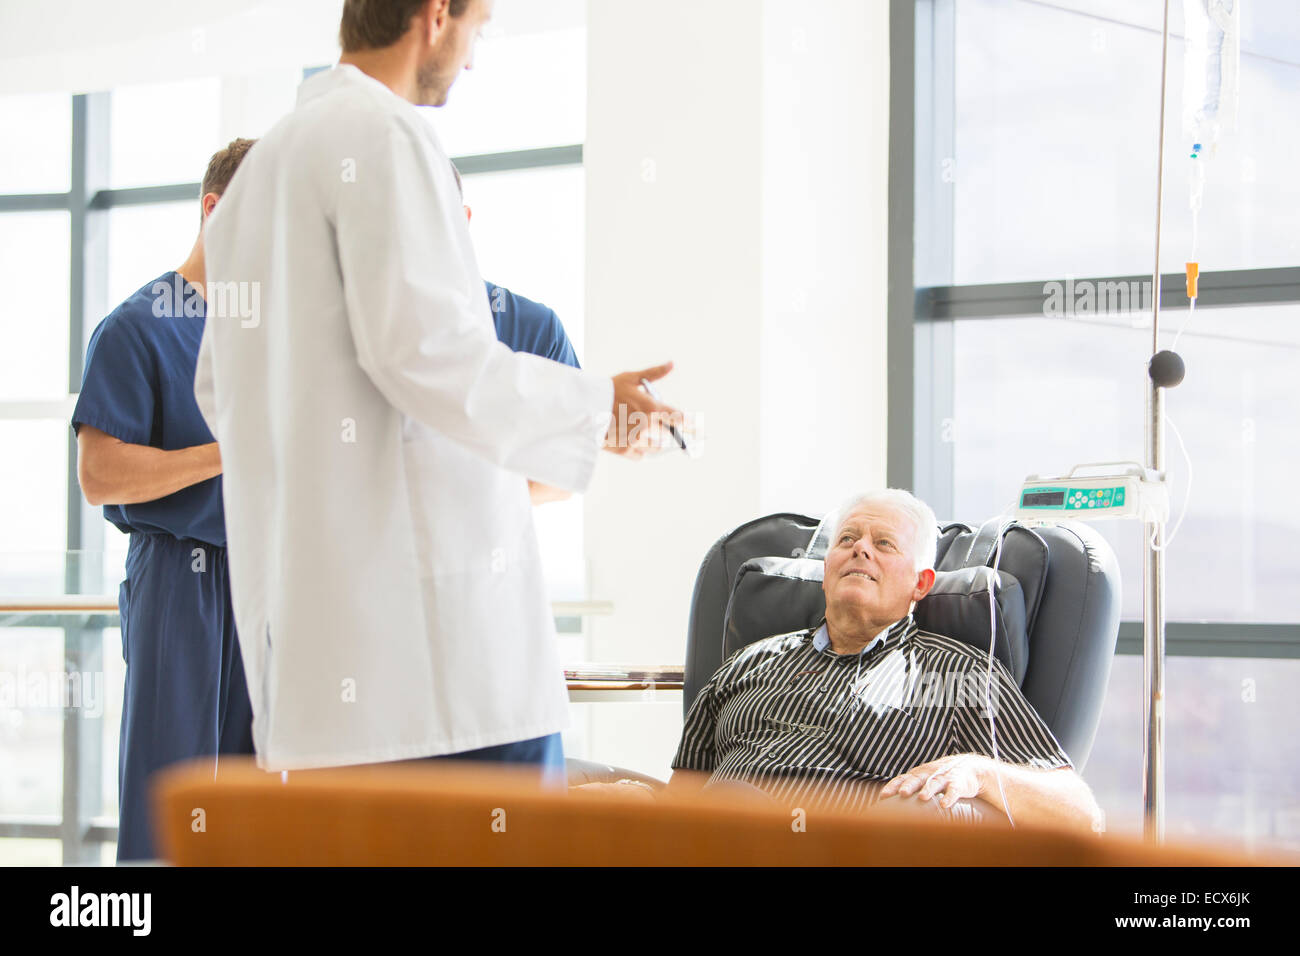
{"points": [[83, 828]]}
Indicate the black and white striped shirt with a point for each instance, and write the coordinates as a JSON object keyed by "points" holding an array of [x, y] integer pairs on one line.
{"points": [[790, 716]]}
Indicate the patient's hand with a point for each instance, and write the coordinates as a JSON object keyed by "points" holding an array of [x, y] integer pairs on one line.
{"points": [[949, 778], [622, 790]]}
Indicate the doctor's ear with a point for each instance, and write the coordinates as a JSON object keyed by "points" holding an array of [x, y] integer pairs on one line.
{"points": [[438, 12]]}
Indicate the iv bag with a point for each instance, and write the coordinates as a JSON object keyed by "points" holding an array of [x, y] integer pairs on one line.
{"points": [[1211, 64]]}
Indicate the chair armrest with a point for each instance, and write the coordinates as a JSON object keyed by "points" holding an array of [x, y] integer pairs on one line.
{"points": [[582, 772]]}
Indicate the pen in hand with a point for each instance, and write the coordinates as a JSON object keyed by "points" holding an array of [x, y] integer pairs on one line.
{"points": [[672, 429]]}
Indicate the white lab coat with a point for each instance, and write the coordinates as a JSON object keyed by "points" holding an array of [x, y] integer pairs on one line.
{"points": [[375, 438]]}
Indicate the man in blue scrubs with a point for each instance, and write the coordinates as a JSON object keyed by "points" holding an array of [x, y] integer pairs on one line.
{"points": [[527, 326], [146, 455]]}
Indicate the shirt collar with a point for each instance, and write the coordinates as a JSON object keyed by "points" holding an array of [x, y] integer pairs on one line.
{"points": [[822, 639], [324, 80]]}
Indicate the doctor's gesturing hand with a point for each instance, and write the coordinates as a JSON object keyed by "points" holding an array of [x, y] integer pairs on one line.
{"points": [[638, 418]]}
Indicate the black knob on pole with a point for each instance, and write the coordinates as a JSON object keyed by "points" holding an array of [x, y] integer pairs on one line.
{"points": [[1166, 368]]}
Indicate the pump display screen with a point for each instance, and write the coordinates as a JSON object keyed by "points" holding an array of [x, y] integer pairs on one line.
{"points": [[1042, 499]]}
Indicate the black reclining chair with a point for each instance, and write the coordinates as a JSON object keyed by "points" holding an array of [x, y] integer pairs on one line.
{"points": [[1057, 606]]}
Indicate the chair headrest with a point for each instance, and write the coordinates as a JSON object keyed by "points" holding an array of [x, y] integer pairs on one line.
{"points": [[1025, 556], [776, 595]]}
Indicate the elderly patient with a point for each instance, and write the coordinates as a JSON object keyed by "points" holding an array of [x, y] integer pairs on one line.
{"points": [[846, 714]]}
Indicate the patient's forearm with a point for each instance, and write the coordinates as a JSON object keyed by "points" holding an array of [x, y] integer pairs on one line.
{"points": [[685, 781], [1048, 797]]}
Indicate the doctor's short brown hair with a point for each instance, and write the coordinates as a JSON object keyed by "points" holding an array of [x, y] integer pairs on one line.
{"points": [[375, 24], [222, 166]]}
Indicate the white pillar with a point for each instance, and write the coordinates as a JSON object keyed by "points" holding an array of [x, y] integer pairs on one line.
{"points": [[825, 164], [736, 162], [674, 263]]}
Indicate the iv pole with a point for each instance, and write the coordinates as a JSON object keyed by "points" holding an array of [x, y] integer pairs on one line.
{"points": [[1165, 370]]}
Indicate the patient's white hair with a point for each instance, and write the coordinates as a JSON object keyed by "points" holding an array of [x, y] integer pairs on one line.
{"points": [[925, 540]]}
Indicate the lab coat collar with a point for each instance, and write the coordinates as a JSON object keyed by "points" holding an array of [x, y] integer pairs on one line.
{"points": [[320, 83]]}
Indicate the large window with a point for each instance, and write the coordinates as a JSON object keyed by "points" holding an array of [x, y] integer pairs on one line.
{"points": [[98, 195], [528, 234], [164, 132], [34, 322], [1035, 167], [1054, 117], [1035, 394]]}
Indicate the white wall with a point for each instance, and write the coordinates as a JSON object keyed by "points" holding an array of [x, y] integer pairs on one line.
{"points": [[825, 204], [736, 196], [674, 264]]}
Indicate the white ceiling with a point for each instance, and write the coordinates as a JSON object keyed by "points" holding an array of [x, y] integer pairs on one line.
{"points": [[87, 45]]}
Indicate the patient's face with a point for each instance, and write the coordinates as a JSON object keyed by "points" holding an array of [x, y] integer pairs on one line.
{"points": [[870, 569]]}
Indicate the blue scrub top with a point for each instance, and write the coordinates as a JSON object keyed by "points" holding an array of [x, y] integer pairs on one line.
{"points": [[528, 326], [138, 386]]}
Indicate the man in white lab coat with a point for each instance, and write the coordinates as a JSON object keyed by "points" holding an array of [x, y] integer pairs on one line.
{"points": [[376, 437]]}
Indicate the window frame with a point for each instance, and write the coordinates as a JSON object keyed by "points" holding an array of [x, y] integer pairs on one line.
{"points": [[81, 828], [921, 319]]}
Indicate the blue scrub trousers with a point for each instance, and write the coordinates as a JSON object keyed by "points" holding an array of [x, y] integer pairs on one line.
{"points": [[186, 695], [547, 753]]}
